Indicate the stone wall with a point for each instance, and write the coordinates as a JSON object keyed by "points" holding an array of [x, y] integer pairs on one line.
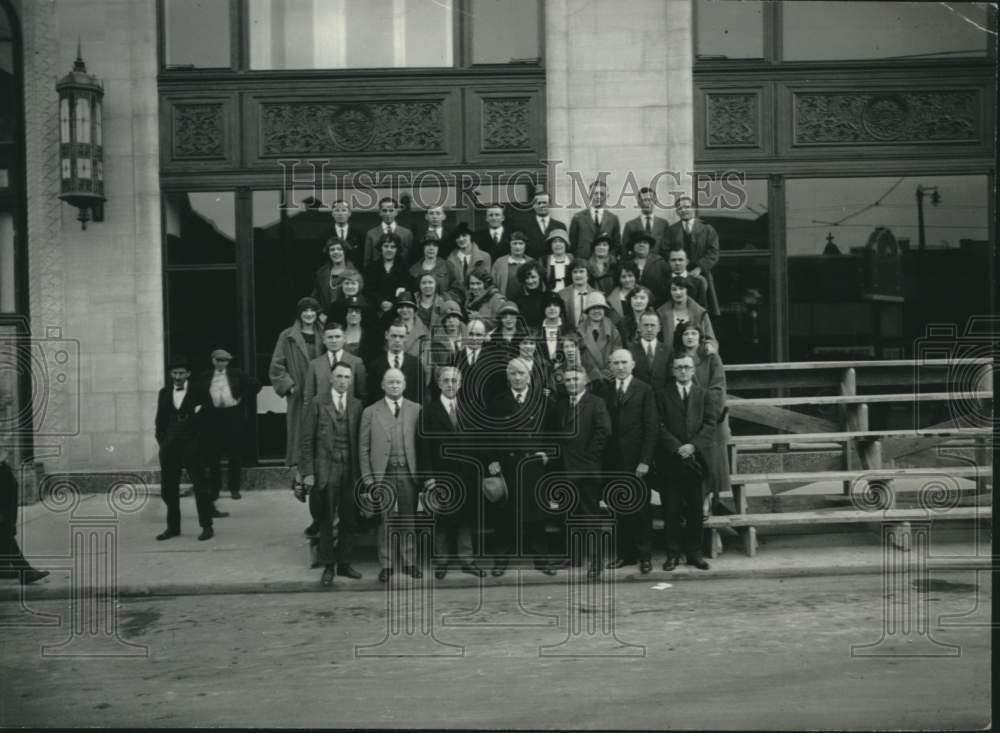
{"points": [[98, 289]]}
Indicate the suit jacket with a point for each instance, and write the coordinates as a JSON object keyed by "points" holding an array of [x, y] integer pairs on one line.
{"points": [[635, 227], [535, 237], [702, 247], [519, 431], [583, 432], [695, 425], [435, 434], [241, 385], [656, 276], [375, 437], [484, 240], [635, 425], [412, 370], [372, 254], [318, 430], [382, 286], [582, 232], [179, 430], [317, 379], [355, 250], [478, 260], [656, 374], [595, 355]]}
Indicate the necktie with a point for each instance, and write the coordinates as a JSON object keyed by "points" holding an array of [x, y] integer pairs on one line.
{"points": [[451, 414], [621, 392], [340, 404], [597, 334], [684, 391], [543, 222], [649, 351], [597, 219], [395, 361], [472, 358], [649, 225], [496, 236], [520, 398], [341, 233], [395, 408], [465, 267]]}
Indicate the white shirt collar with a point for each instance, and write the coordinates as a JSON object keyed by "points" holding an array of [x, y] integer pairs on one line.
{"points": [[389, 402], [447, 402], [682, 387], [523, 395], [576, 400], [334, 394], [624, 383]]}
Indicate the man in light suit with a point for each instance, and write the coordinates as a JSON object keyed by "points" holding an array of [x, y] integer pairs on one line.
{"points": [[634, 435], [388, 209], [388, 456], [701, 243], [329, 463], [646, 223], [688, 416], [587, 223], [539, 226]]}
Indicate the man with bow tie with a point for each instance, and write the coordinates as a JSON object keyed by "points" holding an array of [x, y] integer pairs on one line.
{"points": [[688, 416], [701, 242], [330, 465], [452, 491], [180, 411]]}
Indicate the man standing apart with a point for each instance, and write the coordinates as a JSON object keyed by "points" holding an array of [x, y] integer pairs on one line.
{"points": [[231, 391], [688, 415], [12, 561], [388, 456], [180, 409], [330, 466]]}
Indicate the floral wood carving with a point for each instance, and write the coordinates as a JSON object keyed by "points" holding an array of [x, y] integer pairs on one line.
{"points": [[732, 120], [199, 131], [506, 123], [316, 128], [904, 117]]}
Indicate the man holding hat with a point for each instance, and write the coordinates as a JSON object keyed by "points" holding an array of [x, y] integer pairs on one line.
{"points": [[181, 408], [231, 392], [599, 337]]}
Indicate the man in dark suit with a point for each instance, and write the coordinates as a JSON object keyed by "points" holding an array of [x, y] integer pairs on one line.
{"points": [[677, 259], [395, 358], [701, 243], [352, 237], [635, 430], [688, 416], [329, 463], [583, 426], [436, 228], [180, 409], [646, 223], [539, 226], [519, 418], [13, 564], [388, 209], [477, 366], [443, 424], [588, 223], [231, 392], [494, 240], [388, 454], [651, 357]]}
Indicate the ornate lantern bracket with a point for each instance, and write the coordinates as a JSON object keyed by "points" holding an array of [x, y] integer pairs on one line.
{"points": [[81, 141]]}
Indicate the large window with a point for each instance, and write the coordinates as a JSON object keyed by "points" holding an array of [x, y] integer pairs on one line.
{"points": [[197, 34]]}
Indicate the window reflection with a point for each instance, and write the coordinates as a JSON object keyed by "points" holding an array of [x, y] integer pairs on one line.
{"points": [[202, 315], [200, 228], [827, 31], [738, 211], [860, 282], [505, 31], [744, 326], [730, 30], [196, 33]]}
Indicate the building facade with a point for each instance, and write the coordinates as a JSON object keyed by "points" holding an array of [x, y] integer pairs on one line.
{"points": [[846, 160]]}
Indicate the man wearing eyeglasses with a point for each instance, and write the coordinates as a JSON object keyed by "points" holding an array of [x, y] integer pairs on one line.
{"points": [[688, 416]]}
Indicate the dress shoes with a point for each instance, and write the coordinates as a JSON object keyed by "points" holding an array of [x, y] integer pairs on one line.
{"points": [[413, 571], [697, 561], [236, 494], [167, 534], [327, 580], [499, 568], [216, 514], [206, 534], [670, 563], [620, 563], [545, 569], [31, 575], [473, 569], [312, 531], [383, 575], [345, 570], [645, 565], [439, 573]]}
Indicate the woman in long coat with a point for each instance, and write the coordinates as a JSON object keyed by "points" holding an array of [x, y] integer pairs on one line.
{"points": [[297, 345], [681, 307]]}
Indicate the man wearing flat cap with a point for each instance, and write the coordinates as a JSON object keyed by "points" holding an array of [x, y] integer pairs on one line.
{"points": [[231, 394], [181, 408]]}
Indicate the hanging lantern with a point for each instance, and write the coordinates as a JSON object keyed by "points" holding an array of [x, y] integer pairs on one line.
{"points": [[81, 147]]}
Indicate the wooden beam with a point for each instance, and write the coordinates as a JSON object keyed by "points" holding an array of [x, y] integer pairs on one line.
{"points": [[778, 418]]}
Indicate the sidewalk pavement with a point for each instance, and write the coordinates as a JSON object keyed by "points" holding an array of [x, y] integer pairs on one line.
{"points": [[260, 548]]}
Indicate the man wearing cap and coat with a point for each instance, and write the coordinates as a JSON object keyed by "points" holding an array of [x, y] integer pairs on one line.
{"points": [[231, 394], [181, 408]]}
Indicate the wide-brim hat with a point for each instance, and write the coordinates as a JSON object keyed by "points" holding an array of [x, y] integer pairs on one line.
{"points": [[306, 302], [557, 234], [451, 308], [509, 307], [595, 300], [404, 299]]}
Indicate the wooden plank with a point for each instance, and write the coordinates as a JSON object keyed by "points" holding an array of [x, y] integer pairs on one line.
{"points": [[873, 364], [775, 417], [814, 476], [902, 397], [846, 516], [839, 437]]}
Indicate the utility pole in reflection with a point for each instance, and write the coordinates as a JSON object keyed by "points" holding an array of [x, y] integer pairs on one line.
{"points": [[935, 200]]}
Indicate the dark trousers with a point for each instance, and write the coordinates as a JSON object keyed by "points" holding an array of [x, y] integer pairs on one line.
{"points": [[11, 559], [171, 463], [224, 437], [503, 520], [682, 497], [635, 529], [335, 507]]}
